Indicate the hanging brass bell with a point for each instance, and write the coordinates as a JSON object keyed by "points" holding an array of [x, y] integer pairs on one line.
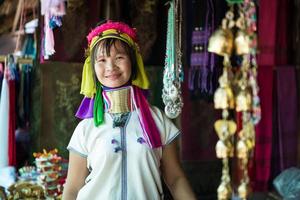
{"points": [[242, 149], [230, 97], [225, 128], [250, 144], [250, 135], [221, 150], [223, 98], [243, 191], [220, 99], [242, 43], [230, 148], [243, 101], [224, 191], [221, 42]]}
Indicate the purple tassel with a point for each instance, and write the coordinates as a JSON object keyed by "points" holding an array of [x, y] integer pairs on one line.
{"points": [[191, 78], [85, 109], [203, 85]]}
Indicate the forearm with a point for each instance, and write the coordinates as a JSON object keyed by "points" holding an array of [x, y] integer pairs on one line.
{"points": [[77, 173], [69, 194], [181, 189], [174, 175]]}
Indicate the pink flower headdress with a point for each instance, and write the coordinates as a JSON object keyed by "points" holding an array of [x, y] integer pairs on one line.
{"points": [[119, 26]]}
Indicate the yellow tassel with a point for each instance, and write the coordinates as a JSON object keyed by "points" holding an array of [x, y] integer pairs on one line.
{"points": [[88, 87]]}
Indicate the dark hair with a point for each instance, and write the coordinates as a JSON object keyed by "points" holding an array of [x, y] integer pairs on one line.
{"points": [[106, 45]]}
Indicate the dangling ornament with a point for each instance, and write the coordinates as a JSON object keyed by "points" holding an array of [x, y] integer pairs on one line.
{"points": [[221, 41], [243, 98], [242, 43], [242, 150], [222, 151], [173, 72], [223, 97], [243, 190], [239, 92], [224, 191], [242, 39]]}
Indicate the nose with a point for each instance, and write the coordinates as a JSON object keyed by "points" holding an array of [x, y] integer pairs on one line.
{"points": [[110, 65]]}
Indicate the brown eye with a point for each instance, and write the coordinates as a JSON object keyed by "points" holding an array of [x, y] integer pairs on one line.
{"points": [[101, 60]]}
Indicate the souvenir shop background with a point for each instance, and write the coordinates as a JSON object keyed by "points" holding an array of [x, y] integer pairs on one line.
{"points": [[42, 53]]}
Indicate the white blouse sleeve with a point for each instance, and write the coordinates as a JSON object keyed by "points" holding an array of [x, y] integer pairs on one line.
{"points": [[78, 140], [168, 130]]}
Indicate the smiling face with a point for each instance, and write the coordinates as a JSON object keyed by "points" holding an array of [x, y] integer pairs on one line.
{"points": [[112, 64]]}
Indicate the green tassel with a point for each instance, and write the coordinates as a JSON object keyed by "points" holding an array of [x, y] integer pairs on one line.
{"points": [[98, 106]]}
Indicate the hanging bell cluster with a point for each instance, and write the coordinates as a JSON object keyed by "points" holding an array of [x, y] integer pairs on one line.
{"points": [[223, 41], [237, 91]]}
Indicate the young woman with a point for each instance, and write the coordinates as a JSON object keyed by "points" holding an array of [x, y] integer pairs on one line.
{"points": [[123, 146]]}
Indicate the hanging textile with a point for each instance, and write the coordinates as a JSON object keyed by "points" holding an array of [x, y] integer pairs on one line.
{"points": [[27, 83], [23, 96], [267, 33], [29, 46], [202, 63], [12, 123], [296, 32], [52, 12], [12, 77], [285, 123], [284, 109], [274, 49], [260, 169], [29, 50], [296, 60], [4, 116], [261, 166], [283, 29]]}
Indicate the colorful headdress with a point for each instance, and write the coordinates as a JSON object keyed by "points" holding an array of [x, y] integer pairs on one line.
{"points": [[92, 104], [111, 30]]}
